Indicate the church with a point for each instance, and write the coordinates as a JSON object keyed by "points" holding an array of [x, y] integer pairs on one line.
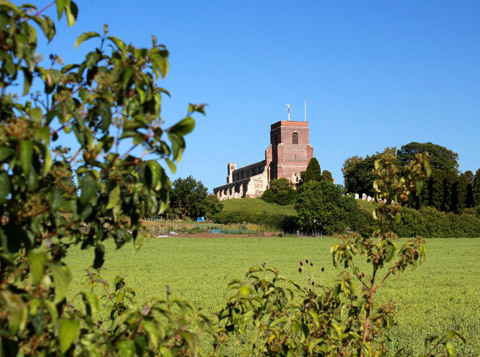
{"points": [[287, 156]]}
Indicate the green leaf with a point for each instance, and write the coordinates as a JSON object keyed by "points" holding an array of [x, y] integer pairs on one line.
{"points": [[126, 348], [183, 127], [4, 187], [178, 145], [91, 302], [43, 133], [36, 113], [119, 43], [61, 280], [243, 291], [37, 261], [71, 11], [68, 333], [171, 165], [27, 80], [127, 73], [5, 152], [84, 37], [47, 162], [56, 199], [113, 197], [152, 331], [88, 185], [152, 174], [61, 7], [390, 250], [450, 349], [26, 152], [17, 311]]}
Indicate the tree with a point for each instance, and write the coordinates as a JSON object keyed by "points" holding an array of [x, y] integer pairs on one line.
{"points": [[327, 176], [322, 208], [109, 101], [440, 157], [470, 177], [313, 172], [187, 197], [462, 193], [280, 192], [437, 191], [476, 189], [451, 200], [212, 206], [358, 174]]}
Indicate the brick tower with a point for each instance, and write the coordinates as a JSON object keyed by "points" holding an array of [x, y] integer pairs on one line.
{"points": [[289, 151]]}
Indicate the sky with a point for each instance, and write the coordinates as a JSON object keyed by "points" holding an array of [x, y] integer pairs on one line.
{"points": [[374, 74]]}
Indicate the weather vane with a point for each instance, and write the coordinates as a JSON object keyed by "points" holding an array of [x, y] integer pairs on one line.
{"points": [[289, 109]]}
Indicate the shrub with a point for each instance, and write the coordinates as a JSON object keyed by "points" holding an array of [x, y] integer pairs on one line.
{"points": [[280, 192]]}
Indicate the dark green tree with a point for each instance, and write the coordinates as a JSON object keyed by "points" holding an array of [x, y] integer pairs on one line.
{"points": [[280, 192], [358, 174], [470, 181], [313, 172], [439, 157], [187, 198], [327, 175], [450, 203], [462, 193], [437, 190], [476, 189], [322, 208]]}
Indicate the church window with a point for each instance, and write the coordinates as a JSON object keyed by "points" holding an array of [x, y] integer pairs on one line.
{"points": [[295, 138]]}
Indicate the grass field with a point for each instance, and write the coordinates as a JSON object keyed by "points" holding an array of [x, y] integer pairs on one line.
{"points": [[441, 294]]}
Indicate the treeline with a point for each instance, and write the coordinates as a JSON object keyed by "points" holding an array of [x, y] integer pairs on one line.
{"points": [[447, 189]]}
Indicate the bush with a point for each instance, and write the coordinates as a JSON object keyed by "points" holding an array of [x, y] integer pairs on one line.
{"points": [[280, 192], [428, 222]]}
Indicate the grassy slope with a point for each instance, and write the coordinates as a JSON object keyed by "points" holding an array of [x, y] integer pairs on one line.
{"points": [[257, 205], [441, 294]]}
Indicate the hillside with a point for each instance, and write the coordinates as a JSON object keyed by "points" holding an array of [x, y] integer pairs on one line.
{"points": [[257, 205]]}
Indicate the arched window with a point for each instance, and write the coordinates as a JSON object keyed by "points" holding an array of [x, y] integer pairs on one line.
{"points": [[295, 138]]}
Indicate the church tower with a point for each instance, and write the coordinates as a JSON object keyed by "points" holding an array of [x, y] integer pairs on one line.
{"points": [[289, 151]]}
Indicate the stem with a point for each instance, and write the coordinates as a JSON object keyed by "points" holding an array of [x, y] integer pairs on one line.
{"points": [[39, 12], [370, 302]]}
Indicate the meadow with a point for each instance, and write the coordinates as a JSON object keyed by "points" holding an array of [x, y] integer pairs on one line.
{"points": [[443, 293]]}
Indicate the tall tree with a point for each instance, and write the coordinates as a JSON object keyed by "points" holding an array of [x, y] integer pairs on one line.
{"points": [[450, 203], [437, 189], [313, 172], [327, 176], [462, 193], [440, 157], [476, 189], [470, 181]]}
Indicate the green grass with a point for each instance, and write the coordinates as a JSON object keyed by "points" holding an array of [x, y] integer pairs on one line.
{"points": [[441, 294], [367, 206], [257, 205]]}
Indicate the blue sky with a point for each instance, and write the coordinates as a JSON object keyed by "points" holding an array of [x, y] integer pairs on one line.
{"points": [[375, 74]]}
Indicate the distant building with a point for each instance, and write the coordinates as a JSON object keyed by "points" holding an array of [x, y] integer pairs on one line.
{"points": [[287, 156]]}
